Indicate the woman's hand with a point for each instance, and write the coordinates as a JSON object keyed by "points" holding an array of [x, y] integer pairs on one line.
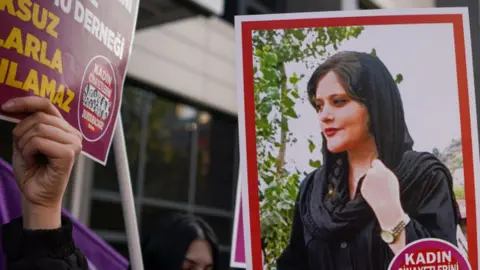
{"points": [[381, 190], [44, 151]]}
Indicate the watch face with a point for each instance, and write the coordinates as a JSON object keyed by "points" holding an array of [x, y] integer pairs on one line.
{"points": [[387, 237]]}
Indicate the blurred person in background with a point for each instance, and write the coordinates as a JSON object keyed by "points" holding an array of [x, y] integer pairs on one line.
{"points": [[180, 242], [44, 151]]}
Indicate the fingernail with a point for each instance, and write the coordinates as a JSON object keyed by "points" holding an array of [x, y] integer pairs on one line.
{"points": [[8, 105]]}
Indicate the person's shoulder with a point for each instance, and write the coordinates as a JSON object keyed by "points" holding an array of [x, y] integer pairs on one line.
{"points": [[418, 162], [420, 158], [305, 184]]}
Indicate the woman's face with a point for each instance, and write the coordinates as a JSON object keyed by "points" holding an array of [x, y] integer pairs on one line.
{"points": [[198, 257], [344, 121]]}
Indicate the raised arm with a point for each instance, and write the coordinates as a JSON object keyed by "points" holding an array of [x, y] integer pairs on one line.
{"points": [[45, 148]]}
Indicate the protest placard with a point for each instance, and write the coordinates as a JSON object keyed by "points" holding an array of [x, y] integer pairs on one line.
{"points": [[73, 52], [358, 137]]}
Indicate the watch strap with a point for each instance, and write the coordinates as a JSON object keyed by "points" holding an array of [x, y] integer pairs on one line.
{"points": [[400, 226]]}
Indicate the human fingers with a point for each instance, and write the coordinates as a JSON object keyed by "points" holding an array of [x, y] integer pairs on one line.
{"points": [[31, 104], [37, 124], [49, 132], [50, 148], [41, 117]]}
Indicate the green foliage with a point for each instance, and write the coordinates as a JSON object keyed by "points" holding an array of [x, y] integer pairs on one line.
{"points": [[459, 192], [458, 161], [275, 97], [399, 78]]}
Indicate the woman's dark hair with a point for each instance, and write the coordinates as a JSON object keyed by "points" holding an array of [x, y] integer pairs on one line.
{"points": [[347, 67], [167, 242], [368, 81]]}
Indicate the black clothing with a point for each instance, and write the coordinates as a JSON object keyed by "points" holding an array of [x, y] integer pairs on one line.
{"points": [[349, 237], [332, 232], [41, 249]]}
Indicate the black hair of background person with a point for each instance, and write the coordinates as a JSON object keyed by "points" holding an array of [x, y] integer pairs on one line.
{"points": [[165, 245], [332, 232]]}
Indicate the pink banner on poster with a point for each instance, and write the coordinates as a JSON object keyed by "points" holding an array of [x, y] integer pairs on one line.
{"points": [[240, 243], [72, 52], [237, 258]]}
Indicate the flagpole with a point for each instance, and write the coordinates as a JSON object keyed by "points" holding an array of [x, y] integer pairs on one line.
{"points": [[77, 188], [126, 194]]}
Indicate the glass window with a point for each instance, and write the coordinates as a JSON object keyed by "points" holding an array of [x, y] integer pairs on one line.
{"points": [[152, 214], [106, 176], [167, 169], [367, 4], [120, 247], [216, 161], [107, 216]]}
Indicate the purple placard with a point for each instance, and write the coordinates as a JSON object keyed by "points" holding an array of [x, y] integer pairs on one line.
{"points": [[73, 52]]}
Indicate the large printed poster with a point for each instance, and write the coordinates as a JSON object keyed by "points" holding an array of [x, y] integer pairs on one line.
{"points": [[73, 52], [359, 140]]}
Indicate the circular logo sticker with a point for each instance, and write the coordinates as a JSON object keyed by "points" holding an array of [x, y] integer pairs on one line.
{"points": [[98, 94], [430, 254]]}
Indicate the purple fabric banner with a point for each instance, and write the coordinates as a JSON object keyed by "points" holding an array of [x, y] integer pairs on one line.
{"points": [[99, 254]]}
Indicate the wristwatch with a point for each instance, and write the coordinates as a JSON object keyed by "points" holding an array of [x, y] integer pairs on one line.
{"points": [[389, 236]]}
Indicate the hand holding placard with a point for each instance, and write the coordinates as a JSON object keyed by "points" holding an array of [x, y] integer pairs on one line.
{"points": [[44, 151], [73, 53]]}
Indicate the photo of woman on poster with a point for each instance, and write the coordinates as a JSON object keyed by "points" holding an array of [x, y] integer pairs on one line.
{"points": [[373, 193]]}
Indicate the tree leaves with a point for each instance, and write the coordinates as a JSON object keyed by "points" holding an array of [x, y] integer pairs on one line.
{"points": [[315, 163], [294, 79], [311, 145], [399, 78]]}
